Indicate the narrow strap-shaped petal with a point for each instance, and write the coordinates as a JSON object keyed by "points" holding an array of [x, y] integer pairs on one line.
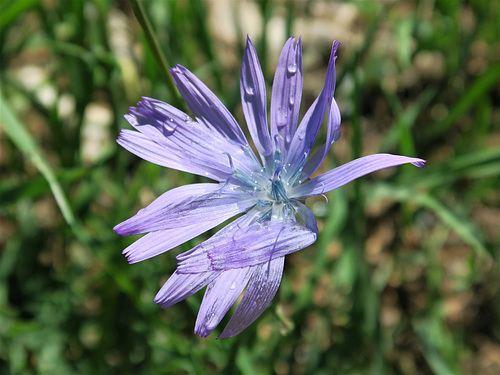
{"points": [[192, 147], [260, 292], [286, 94], [332, 135], [221, 294], [243, 246], [181, 286], [186, 206], [149, 150], [254, 102], [350, 171], [206, 106], [156, 243], [306, 134]]}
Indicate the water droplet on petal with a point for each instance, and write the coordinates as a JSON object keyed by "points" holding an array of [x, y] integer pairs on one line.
{"points": [[281, 117], [249, 90], [292, 98], [233, 285], [292, 68], [169, 125], [210, 325]]}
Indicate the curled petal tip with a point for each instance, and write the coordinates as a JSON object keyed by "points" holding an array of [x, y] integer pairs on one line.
{"points": [[118, 229], [335, 46], [420, 163], [176, 69]]}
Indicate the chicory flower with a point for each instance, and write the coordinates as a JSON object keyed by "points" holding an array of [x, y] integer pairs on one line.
{"points": [[249, 253]]}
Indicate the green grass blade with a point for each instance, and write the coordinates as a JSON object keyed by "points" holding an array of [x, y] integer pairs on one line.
{"points": [[447, 216], [435, 341], [405, 120], [10, 11], [18, 133], [474, 165], [475, 93]]}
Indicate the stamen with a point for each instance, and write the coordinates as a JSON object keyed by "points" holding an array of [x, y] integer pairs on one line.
{"points": [[264, 216], [276, 137], [278, 192], [277, 164], [243, 178], [296, 175]]}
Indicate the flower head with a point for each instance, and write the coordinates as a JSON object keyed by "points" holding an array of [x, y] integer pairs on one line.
{"points": [[248, 254]]}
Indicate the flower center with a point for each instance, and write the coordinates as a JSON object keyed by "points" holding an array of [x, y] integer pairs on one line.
{"points": [[277, 192]]}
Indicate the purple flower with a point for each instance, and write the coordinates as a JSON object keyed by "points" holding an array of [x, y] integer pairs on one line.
{"points": [[249, 253]]}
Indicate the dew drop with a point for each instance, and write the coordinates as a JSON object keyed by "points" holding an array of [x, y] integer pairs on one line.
{"points": [[249, 90], [211, 325], [169, 125], [281, 117], [233, 285], [292, 68], [292, 98]]}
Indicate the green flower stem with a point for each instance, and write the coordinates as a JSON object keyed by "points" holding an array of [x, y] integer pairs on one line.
{"points": [[160, 58]]}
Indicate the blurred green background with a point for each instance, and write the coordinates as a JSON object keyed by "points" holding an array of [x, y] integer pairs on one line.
{"points": [[404, 277]]}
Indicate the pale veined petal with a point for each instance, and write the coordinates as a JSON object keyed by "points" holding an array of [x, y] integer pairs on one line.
{"points": [[306, 134], [246, 245], [220, 295], [260, 292], [253, 100], [179, 287], [286, 95], [332, 135], [186, 206], [206, 106], [349, 172]]}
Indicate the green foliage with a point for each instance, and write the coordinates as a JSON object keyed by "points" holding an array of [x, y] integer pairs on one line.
{"points": [[404, 277]]}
